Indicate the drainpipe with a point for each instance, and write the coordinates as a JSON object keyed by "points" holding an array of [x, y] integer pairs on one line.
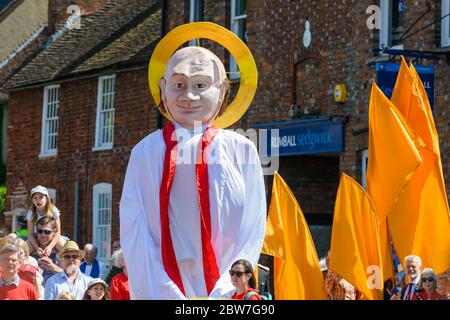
{"points": [[159, 119], [75, 212]]}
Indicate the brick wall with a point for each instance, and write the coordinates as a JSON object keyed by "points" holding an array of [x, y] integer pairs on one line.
{"points": [[313, 180], [135, 117], [289, 74], [340, 51]]}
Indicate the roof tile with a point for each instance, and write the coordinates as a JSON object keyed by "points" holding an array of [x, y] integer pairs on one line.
{"points": [[112, 34]]}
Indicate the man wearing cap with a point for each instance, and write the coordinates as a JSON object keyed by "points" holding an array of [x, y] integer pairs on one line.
{"points": [[71, 279], [193, 200]]}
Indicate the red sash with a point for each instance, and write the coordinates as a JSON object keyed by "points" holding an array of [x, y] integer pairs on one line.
{"points": [[210, 269]]}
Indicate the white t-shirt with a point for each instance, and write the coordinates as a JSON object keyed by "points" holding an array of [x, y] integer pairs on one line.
{"points": [[101, 266], [55, 215]]}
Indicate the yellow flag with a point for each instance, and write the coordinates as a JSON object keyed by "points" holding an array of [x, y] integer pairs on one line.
{"points": [[393, 157], [297, 274], [419, 221], [355, 240], [432, 128], [393, 152]]}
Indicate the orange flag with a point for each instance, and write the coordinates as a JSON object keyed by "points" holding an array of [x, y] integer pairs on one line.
{"points": [[393, 157], [355, 240], [419, 221], [297, 274]]}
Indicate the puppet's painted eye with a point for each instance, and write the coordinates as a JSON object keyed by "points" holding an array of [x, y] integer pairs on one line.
{"points": [[200, 85]]}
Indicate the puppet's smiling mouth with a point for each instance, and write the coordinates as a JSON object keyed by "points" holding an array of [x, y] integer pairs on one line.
{"points": [[189, 107]]}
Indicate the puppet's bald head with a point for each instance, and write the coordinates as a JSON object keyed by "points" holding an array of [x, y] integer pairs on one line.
{"points": [[194, 86]]}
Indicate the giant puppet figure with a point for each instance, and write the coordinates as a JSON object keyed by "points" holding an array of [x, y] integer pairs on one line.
{"points": [[193, 200]]}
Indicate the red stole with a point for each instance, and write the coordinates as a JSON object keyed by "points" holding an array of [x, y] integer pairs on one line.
{"points": [[210, 269]]}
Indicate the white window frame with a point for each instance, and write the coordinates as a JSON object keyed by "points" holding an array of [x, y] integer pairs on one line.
{"points": [[235, 29], [49, 122], [97, 191], [193, 4], [386, 25], [99, 144], [364, 162], [52, 194], [445, 24]]}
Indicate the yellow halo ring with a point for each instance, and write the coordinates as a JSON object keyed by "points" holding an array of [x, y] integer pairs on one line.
{"points": [[207, 30]]}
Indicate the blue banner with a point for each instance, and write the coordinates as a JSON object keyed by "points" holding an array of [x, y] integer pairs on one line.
{"points": [[387, 75], [302, 137]]}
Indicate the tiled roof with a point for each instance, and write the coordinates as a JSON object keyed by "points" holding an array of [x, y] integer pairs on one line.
{"points": [[112, 35], [125, 47]]}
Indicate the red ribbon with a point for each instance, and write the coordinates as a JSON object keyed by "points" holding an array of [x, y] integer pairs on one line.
{"points": [[210, 269]]}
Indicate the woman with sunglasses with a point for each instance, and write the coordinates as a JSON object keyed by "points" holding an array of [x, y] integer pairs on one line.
{"points": [[427, 287], [243, 279]]}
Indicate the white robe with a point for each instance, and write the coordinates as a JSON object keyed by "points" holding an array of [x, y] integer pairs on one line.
{"points": [[238, 214]]}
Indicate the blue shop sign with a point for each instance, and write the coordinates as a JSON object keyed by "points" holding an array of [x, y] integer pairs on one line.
{"points": [[387, 75], [304, 137]]}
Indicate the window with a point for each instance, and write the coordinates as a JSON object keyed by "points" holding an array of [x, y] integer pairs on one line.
{"points": [[445, 24], [52, 194], [105, 113], [238, 26], [50, 121], [101, 233], [365, 161], [4, 4], [391, 23], [196, 14]]}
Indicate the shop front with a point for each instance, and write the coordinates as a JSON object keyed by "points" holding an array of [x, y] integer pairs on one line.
{"points": [[309, 152]]}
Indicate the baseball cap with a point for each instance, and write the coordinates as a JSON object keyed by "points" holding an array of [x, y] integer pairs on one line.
{"points": [[40, 189], [96, 281], [28, 269]]}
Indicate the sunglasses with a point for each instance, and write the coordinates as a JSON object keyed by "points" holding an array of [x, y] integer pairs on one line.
{"points": [[71, 256], [44, 231], [427, 280], [237, 273]]}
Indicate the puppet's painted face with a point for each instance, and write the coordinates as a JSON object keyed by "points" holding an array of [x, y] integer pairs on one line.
{"points": [[193, 86]]}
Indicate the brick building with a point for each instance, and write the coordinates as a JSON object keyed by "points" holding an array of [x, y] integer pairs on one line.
{"points": [[27, 28], [77, 109], [303, 49], [22, 32]]}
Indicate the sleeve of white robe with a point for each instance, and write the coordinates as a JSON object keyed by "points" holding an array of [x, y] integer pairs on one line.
{"points": [[146, 274], [253, 224]]}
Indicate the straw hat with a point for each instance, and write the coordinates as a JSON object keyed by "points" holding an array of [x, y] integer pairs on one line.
{"points": [[71, 246]]}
